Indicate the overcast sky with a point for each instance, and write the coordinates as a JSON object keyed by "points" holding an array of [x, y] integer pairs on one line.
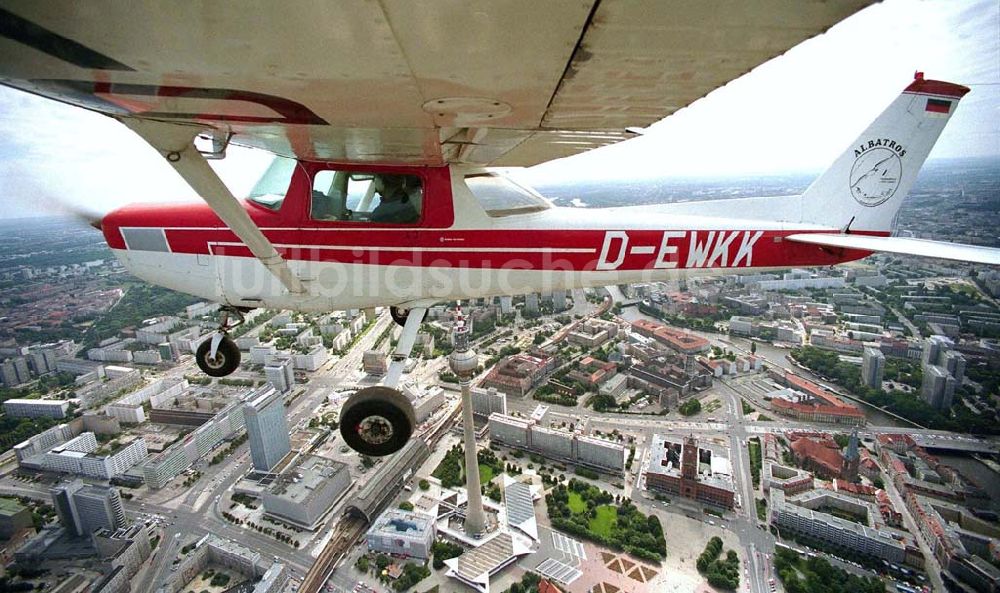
{"points": [[795, 113]]}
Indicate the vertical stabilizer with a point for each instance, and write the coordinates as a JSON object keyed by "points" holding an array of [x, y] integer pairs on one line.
{"points": [[863, 189]]}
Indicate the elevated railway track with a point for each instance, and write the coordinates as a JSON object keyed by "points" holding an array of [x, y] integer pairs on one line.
{"points": [[355, 521]]}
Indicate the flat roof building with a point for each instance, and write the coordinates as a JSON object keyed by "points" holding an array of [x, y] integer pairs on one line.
{"points": [[161, 468], [595, 453], [682, 468], [36, 408], [305, 493], [402, 533], [488, 401], [13, 517], [281, 373], [73, 457], [872, 367], [83, 508], [263, 575], [938, 387], [375, 362], [592, 333], [834, 531]]}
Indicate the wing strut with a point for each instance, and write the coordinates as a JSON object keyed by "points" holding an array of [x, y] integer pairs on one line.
{"points": [[176, 143]]}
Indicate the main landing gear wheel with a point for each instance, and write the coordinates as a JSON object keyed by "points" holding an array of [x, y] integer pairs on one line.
{"points": [[399, 315], [377, 421], [227, 357]]}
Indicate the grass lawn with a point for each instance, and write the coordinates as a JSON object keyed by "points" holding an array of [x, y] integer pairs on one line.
{"points": [[753, 446], [485, 473], [604, 522]]}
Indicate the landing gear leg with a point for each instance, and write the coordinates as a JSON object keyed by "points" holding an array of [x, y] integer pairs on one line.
{"points": [[219, 356], [400, 315], [379, 420]]}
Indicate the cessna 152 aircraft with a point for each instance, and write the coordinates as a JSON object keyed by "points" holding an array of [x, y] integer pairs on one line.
{"points": [[391, 117]]}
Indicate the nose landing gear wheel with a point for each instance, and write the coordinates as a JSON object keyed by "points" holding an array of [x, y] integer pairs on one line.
{"points": [[227, 357], [400, 315], [377, 421]]}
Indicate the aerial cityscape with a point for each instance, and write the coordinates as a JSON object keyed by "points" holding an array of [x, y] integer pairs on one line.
{"points": [[829, 429]]}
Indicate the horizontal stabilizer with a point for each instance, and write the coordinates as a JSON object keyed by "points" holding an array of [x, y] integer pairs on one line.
{"points": [[921, 247]]}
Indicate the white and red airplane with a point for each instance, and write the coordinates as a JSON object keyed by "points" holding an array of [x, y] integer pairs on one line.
{"points": [[390, 117]]}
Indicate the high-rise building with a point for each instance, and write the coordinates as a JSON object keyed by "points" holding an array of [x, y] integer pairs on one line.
{"points": [[506, 305], [872, 367], [83, 508], [14, 371], [933, 347], [43, 360], [531, 302], [940, 351], [938, 388], [944, 370], [281, 373], [267, 428], [559, 300], [488, 401], [954, 363], [62, 500]]}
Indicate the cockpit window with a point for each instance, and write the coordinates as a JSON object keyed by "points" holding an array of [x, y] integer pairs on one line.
{"points": [[366, 197], [500, 196], [270, 189]]}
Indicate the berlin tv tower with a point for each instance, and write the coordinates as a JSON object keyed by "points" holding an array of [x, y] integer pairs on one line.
{"points": [[464, 364]]}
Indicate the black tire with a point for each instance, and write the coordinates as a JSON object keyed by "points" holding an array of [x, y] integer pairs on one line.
{"points": [[400, 315], [383, 403], [227, 357]]}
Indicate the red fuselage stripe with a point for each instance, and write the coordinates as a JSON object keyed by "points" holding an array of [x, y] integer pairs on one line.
{"points": [[565, 250]]}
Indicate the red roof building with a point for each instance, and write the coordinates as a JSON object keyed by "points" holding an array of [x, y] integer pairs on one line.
{"points": [[890, 515], [852, 489], [819, 405], [899, 443], [681, 341], [591, 371], [516, 375], [821, 456]]}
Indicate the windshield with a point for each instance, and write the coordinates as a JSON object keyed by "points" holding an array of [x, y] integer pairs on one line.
{"points": [[500, 196], [270, 189]]}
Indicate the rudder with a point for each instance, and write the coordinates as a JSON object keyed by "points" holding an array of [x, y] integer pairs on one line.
{"points": [[865, 186]]}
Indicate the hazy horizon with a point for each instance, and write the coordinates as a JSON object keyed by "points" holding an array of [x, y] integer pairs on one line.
{"points": [[791, 115]]}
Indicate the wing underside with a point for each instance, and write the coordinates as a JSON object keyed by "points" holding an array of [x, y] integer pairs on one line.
{"points": [[485, 82], [905, 246]]}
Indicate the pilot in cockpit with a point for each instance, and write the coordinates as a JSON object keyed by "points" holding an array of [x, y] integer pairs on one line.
{"points": [[394, 201]]}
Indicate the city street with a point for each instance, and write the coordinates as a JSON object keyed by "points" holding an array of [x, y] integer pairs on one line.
{"points": [[190, 513]]}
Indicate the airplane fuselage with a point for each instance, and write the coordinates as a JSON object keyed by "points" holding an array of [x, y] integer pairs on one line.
{"points": [[456, 250]]}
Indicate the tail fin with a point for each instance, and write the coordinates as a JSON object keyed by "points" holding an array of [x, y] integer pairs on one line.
{"points": [[863, 189]]}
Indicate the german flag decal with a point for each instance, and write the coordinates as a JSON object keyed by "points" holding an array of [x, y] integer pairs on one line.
{"points": [[938, 106]]}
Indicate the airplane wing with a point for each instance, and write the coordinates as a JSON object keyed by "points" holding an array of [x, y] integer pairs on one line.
{"points": [[506, 83], [906, 246]]}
